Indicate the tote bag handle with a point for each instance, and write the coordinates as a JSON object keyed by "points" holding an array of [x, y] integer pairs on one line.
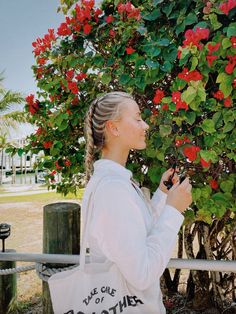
{"points": [[86, 228]]}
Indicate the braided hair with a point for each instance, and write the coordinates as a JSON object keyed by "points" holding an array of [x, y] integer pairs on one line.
{"points": [[101, 110]]}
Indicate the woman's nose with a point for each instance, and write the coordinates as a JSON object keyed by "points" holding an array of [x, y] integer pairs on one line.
{"points": [[146, 126]]}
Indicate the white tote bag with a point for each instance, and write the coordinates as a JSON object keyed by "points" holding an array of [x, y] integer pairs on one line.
{"points": [[93, 288]]}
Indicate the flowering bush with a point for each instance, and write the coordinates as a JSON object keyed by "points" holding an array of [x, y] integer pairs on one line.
{"points": [[178, 58]]}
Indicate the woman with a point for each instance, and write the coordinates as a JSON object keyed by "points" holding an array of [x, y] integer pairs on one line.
{"points": [[138, 237]]}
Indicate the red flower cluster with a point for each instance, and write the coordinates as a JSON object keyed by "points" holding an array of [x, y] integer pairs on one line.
{"points": [[214, 184], [112, 33], [176, 98], [47, 144], [58, 166], [165, 107], [219, 95], [129, 50], [212, 48], [191, 152], [109, 19], [204, 163], [193, 37], [179, 141], [128, 9], [231, 64], [81, 76], [33, 104], [67, 163], [73, 87], [190, 76], [64, 30], [233, 41], [70, 75], [40, 45], [158, 96], [227, 6], [228, 102]]}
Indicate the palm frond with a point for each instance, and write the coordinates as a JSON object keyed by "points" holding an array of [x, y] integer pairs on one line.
{"points": [[10, 98]]}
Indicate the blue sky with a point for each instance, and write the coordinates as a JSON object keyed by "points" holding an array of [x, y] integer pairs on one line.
{"points": [[21, 22]]}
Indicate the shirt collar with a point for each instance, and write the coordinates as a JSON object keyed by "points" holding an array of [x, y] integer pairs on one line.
{"points": [[107, 166]]}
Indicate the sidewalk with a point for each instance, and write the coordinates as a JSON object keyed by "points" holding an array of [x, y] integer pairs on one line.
{"points": [[21, 189]]}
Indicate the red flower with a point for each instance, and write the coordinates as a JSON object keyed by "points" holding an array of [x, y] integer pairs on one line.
{"points": [[41, 61], [214, 184], [205, 163], [41, 45], [67, 163], [231, 64], [75, 101], [112, 33], [81, 76], [88, 3], [53, 173], [87, 28], [234, 83], [158, 96], [179, 54], [129, 50], [193, 37], [190, 76], [39, 131], [219, 95], [63, 30], [176, 98], [73, 87], [228, 102], [129, 9], [178, 142], [47, 144], [57, 165], [70, 75], [30, 99], [32, 104], [233, 41], [154, 111], [213, 48], [68, 111], [210, 59], [227, 6], [109, 19], [165, 107], [191, 152]]}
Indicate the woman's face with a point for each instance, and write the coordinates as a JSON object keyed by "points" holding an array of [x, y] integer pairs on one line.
{"points": [[131, 127]]}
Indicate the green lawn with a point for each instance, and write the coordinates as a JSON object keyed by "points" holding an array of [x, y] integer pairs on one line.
{"points": [[50, 196]]}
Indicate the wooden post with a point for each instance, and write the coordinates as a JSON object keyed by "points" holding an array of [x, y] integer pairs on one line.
{"points": [[61, 235], [7, 285]]}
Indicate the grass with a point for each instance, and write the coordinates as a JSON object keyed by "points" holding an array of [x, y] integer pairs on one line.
{"points": [[48, 196]]}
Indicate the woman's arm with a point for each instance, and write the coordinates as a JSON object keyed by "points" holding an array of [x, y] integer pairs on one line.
{"points": [[119, 228]]}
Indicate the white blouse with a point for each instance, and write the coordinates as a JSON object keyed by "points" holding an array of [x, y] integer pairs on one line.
{"points": [[139, 236]]}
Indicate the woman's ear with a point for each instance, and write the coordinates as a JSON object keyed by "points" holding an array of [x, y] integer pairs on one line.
{"points": [[111, 128]]}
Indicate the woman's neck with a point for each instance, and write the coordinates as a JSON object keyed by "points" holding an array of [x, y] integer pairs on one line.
{"points": [[120, 158]]}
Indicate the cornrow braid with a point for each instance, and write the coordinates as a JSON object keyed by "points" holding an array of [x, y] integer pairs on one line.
{"points": [[101, 110]]}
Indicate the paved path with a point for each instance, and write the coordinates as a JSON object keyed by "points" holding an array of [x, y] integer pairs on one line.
{"points": [[17, 190]]}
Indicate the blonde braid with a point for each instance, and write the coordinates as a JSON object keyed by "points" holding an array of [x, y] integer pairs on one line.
{"points": [[101, 110]]}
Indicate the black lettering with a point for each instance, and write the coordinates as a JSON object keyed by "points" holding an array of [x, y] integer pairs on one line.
{"points": [[130, 301], [137, 300], [104, 312], [113, 308], [122, 305], [79, 312], [72, 312]]}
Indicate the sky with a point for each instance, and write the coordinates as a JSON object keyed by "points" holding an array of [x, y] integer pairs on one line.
{"points": [[21, 22]]}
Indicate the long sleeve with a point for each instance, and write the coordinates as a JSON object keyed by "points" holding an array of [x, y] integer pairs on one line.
{"points": [[158, 202], [119, 228]]}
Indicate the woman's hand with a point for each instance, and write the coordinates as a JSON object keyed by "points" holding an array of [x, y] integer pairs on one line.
{"points": [[180, 196], [165, 177]]}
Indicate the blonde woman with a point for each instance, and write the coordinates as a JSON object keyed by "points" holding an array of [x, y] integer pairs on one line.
{"points": [[138, 237]]}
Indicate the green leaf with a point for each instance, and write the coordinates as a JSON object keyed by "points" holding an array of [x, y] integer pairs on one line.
{"points": [[190, 19], [196, 194], [167, 9], [151, 49], [191, 117], [214, 21], [163, 42], [152, 64], [189, 94], [20, 151], [228, 127], [165, 130], [194, 63], [208, 126], [156, 2], [226, 43], [226, 87], [124, 78], [209, 155], [231, 31], [222, 77], [228, 115], [155, 14], [227, 186], [160, 155], [106, 78], [166, 67]]}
